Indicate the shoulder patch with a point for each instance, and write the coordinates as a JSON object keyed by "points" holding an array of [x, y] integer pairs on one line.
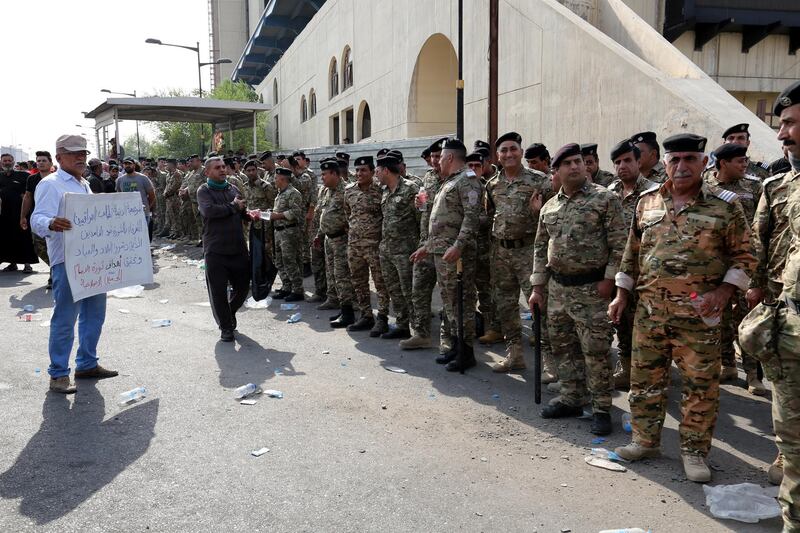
{"points": [[751, 177], [470, 173], [764, 165], [654, 188], [727, 196]]}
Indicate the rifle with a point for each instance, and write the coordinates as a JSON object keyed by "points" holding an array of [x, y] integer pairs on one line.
{"points": [[537, 354], [460, 314]]}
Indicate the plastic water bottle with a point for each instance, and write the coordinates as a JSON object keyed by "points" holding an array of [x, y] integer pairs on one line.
{"points": [[161, 322], [626, 422], [245, 390], [289, 307], [422, 196], [606, 454], [295, 318], [132, 395], [697, 301], [30, 308]]}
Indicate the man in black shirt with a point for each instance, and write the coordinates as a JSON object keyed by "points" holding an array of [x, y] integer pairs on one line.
{"points": [[222, 209], [95, 178], [16, 244]]}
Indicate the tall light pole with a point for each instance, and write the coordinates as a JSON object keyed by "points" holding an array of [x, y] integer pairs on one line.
{"points": [[133, 94]]}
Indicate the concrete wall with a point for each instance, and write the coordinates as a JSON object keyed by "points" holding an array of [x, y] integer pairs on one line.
{"points": [[230, 33], [561, 79]]}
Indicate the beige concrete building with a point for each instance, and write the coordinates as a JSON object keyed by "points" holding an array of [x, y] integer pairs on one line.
{"points": [[366, 71]]}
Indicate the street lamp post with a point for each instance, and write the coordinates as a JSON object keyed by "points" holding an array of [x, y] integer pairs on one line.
{"points": [[133, 94]]}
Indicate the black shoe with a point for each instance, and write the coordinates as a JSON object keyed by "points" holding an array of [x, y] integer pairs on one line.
{"points": [[601, 424], [199, 244], [450, 355], [381, 326], [459, 364], [348, 317], [226, 335], [307, 270], [294, 297], [561, 410], [397, 333], [367, 321], [162, 234], [335, 317], [280, 294], [49, 283]]}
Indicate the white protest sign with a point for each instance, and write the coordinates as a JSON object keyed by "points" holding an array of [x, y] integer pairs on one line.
{"points": [[108, 246]]}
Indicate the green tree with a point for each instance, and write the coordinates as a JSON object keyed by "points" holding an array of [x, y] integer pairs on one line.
{"points": [[148, 147]]}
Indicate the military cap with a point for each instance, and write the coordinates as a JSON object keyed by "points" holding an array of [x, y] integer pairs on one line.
{"points": [[194, 156], [265, 155], [436, 147], [568, 150], [623, 147], [161, 158], [482, 146], [252, 156], [730, 150], [454, 143], [365, 160], [183, 160], [382, 152], [171, 160], [229, 161], [789, 97], [397, 154], [212, 154], [476, 157], [510, 136], [685, 142], [425, 153], [142, 159], [250, 163], [536, 150], [283, 171], [387, 160], [280, 157], [648, 137], [129, 159], [739, 128], [343, 155], [329, 164], [292, 161], [589, 149]]}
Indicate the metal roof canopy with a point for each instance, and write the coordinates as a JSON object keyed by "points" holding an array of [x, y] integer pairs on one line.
{"points": [[224, 114]]}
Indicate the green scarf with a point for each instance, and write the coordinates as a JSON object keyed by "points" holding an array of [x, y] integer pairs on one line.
{"points": [[217, 186]]}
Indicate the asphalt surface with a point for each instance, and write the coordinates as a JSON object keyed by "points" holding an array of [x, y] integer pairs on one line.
{"points": [[352, 446]]}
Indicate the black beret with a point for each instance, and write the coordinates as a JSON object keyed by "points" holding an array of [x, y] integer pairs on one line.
{"points": [[589, 149], [329, 164], [280, 157], [171, 160], [265, 155], [397, 154], [436, 147], [194, 156], [229, 161], [730, 150], [453, 143], [425, 153], [343, 155], [299, 153], [510, 136], [568, 150], [182, 160], [162, 158], [249, 164], [739, 128], [365, 160], [536, 150], [648, 137], [623, 147], [789, 97], [283, 171], [387, 160], [382, 152], [480, 145], [476, 157], [685, 142]]}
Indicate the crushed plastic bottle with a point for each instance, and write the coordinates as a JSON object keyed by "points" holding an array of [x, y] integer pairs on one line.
{"points": [[290, 307], [30, 317], [274, 393], [29, 308], [697, 301], [161, 322], [606, 454], [245, 390], [37, 371], [295, 318], [134, 291], [132, 395], [626, 422]]}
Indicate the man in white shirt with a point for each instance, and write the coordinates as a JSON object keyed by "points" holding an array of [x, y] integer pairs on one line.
{"points": [[49, 223]]}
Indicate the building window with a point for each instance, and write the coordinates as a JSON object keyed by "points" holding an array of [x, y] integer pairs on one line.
{"points": [[365, 122], [303, 109], [312, 103], [277, 131], [333, 74], [347, 68], [275, 91]]}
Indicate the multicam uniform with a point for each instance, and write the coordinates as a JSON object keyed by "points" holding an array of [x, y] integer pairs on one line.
{"points": [[603, 177], [173, 203], [261, 195], [288, 255], [333, 231]]}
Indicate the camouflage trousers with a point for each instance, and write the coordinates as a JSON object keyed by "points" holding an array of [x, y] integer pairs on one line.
{"points": [[424, 280], [364, 260], [511, 270], [447, 278], [40, 247], [173, 208], [198, 220], [580, 337], [732, 316], [483, 285], [318, 266], [187, 218], [161, 211], [784, 374], [397, 273], [289, 259], [695, 350], [337, 271], [625, 329], [308, 239]]}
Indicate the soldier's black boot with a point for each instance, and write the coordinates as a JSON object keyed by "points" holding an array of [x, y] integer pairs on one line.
{"points": [[280, 294], [561, 410], [381, 326], [364, 323], [459, 364], [601, 424], [347, 318], [449, 355]]}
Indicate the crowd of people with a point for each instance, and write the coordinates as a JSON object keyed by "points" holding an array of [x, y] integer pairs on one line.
{"points": [[669, 253]]}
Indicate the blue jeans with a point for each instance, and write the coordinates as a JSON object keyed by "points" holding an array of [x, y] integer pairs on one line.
{"points": [[90, 314]]}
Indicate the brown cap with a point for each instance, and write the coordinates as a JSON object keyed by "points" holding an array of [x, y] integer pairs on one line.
{"points": [[71, 143]]}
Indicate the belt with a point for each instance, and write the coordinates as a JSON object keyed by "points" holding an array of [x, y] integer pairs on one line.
{"points": [[515, 243], [579, 279], [286, 227], [336, 235]]}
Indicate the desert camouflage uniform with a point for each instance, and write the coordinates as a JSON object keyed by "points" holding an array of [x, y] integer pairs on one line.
{"points": [[363, 209], [173, 203], [657, 174], [580, 235], [668, 256], [288, 255], [603, 177], [159, 184], [399, 239], [483, 265], [333, 230], [194, 181], [186, 212], [758, 170]]}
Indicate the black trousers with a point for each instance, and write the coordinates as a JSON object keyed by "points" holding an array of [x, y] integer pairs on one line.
{"points": [[222, 270]]}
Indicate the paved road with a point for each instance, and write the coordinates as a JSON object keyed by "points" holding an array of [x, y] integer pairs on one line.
{"points": [[353, 447]]}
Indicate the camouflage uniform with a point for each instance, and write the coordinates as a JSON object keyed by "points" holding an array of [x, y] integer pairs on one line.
{"points": [[657, 174], [483, 265], [321, 287], [399, 239], [333, 229], [414, 178], [514, 232], [194, 182], [580, 235], [303, 183], [668, 256], [363, 209], [172, 203], [261, 195], [159, 184], [288, 255], [454, 222], [748, 192], [186, 212], [625, 326], [758, 170], [785, 376], [603, 177]]}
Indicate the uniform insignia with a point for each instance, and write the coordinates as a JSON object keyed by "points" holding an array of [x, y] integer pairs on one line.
{"points": [[764, 165], [785, 101], [472, 196], [470, 173], [727, 196], [751, 178]]}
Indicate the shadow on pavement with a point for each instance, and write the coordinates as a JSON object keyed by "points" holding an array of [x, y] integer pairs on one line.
{"points": [[76, 453], [250, 363]]}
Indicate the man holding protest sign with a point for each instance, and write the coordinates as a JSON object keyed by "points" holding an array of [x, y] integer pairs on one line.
{"points": [[48, 222]]}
